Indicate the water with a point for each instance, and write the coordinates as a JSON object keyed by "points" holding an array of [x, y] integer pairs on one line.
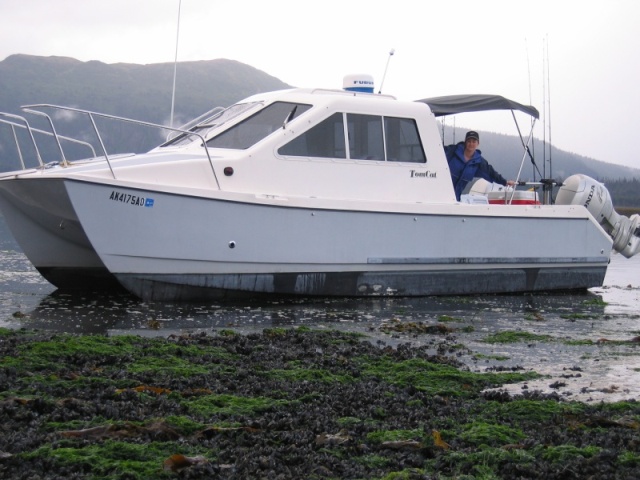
{"points": [[588, 348]]}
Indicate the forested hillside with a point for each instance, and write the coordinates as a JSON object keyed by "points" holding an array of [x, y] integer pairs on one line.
{"points": [[624, 192]]}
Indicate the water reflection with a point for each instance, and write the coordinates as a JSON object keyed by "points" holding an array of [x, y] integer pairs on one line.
{"points": [[104, 313]]}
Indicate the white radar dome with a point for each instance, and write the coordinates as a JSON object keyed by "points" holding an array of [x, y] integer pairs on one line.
{"points": [[358, 83]]}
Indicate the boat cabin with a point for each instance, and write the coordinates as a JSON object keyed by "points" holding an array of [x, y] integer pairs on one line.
{"points": [[328, 144]]}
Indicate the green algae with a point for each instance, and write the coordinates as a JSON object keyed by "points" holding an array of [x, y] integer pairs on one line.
{"points": [[62, 346], [172, 365], [299, 372], [529, 411], [482, 463], [348, 421], [373, 461], [579, 343], [210, 406], [149, 354], [596, 301], [6, 331], [415, 328], [482, 356], [112, 459], [436, 378], [629, 459], [516, 337], [563, 453], [406, 474], [491, 434], [579, 316], [624, 406]]}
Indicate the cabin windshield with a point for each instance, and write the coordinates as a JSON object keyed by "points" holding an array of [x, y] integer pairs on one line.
{"points": [[258, 126], [214, 119], [366, 137]]}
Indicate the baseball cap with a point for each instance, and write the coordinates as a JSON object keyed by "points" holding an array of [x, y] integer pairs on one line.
{"points": [[472, 134]]}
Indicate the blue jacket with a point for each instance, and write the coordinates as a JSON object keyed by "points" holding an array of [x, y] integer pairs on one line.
{"points": [[463, 172]]}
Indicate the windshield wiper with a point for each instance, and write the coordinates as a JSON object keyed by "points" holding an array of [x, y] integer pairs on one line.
{"points": [[290, 116]]}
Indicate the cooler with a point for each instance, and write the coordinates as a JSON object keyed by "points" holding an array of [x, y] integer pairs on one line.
{"points": [[520, 197]]}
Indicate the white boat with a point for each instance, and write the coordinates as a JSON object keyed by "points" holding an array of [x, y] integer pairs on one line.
{"points": [[319, 192]]}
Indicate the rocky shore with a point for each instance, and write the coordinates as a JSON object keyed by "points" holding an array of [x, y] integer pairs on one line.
{"points": [[288, 404]]}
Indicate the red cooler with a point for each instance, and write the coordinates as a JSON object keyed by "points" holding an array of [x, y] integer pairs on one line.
{"points": [[520, 197]]}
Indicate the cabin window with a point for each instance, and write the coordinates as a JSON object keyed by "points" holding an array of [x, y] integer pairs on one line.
{"points": [[325, 140], [365, 137], [370, 137], [258, 126], [402, 140], [212, 119]]}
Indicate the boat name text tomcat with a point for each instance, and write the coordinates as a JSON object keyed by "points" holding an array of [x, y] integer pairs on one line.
{"points": [[427, 174], [131, 199]]}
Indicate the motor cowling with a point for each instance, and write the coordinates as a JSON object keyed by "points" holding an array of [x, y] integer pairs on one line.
{"points": [[583, 190]]}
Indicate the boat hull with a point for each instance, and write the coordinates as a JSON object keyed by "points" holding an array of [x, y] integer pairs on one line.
{"points": [[164, 246], [42, 221]]}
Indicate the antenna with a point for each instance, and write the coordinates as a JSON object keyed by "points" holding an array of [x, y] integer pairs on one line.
{"points": [[533, 146], [549, 102], [175, 64], [544, 113], [391, 52]]}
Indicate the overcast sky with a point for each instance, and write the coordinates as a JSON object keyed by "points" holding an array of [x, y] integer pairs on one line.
{"points": [[577, 61]]}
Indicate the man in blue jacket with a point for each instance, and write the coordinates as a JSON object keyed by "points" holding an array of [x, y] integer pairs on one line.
{"points": [[466, 163]]}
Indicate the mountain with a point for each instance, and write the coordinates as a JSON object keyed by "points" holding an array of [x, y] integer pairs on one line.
{"points": [[136, 91], [143, 92]]}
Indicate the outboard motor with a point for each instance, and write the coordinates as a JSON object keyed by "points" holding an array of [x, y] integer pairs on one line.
{"points": [[582, 190]]}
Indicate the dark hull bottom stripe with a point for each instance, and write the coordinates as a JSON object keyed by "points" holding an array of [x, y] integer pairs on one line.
{"points": [[94, 279], [361, 284]]}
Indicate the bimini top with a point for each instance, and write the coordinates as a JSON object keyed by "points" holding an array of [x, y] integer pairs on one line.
{"points": [[451, 104]]}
